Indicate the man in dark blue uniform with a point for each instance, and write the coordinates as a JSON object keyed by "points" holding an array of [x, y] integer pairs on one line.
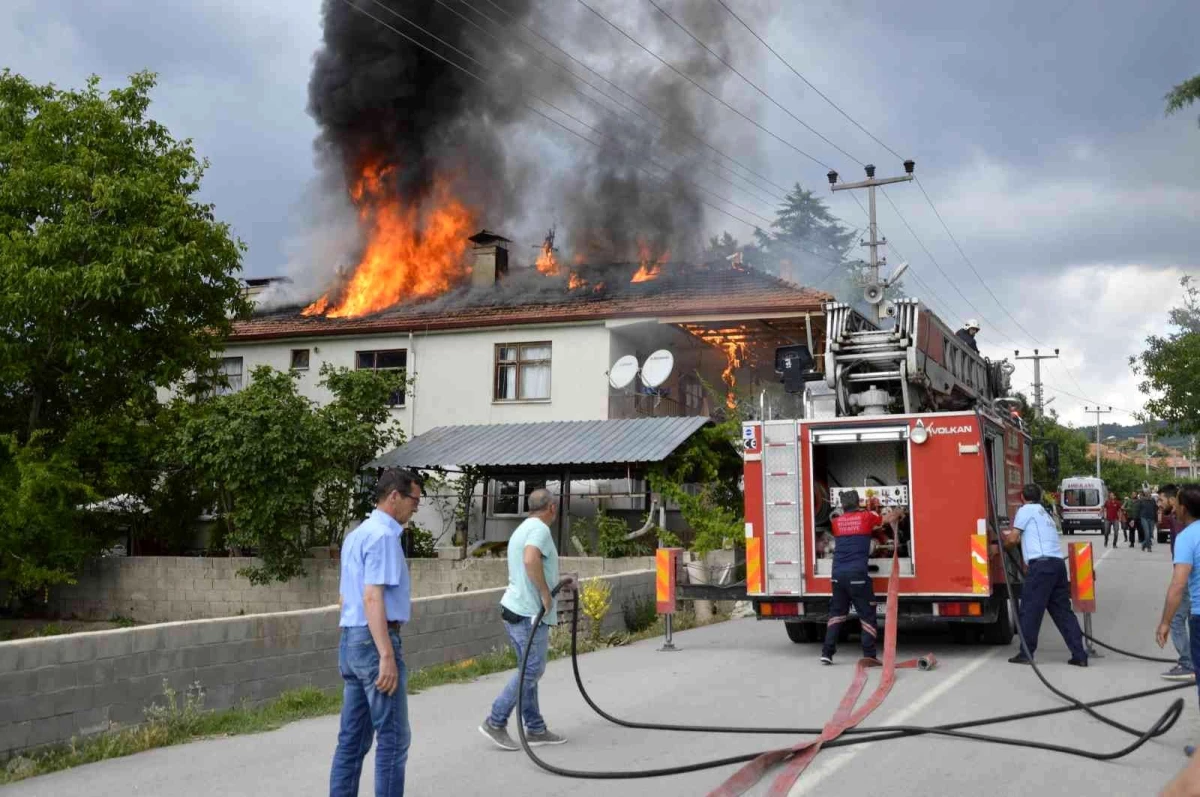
{"points": [[854, 530]]}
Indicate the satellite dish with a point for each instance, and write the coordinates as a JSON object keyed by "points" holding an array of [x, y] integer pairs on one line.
{"points": [[657, 368], [873, 294], [623, 371]]}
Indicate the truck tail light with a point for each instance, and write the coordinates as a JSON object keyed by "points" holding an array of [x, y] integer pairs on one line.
{"points": [[963, 609], [780, 609]]}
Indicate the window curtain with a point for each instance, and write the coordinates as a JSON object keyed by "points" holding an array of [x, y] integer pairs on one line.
{"points": [[535, 376]]}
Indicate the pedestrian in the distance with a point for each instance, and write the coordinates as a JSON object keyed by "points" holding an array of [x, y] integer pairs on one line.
{"points": [[1112, 519], [375, 600], [1129, 510], [1185, 577], [1147, 519], [1184, 670], [1046, 587], [532, 570]]}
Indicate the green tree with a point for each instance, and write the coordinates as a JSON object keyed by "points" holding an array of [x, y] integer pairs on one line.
{"points": [[115, 282], [358, 427], [1183, 95], [1170, 366], [263, 450]]}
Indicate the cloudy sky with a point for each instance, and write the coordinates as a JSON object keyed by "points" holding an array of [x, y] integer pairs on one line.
{"points": [[1037, 128]]}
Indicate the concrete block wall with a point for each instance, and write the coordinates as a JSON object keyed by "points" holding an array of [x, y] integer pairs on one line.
{"points": [[169, 588], [53, 689]]}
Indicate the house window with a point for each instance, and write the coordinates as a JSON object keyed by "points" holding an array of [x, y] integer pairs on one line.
{"points": [[522, 371], [385, 360], [299, 359], [693, 394], [231, 372], [510, 497]]}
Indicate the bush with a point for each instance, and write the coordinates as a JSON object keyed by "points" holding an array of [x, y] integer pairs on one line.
{"points": [[640, 613], [611, 534], [419, 542]]}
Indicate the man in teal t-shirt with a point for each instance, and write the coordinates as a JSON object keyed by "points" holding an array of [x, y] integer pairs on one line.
{"points": [[532, 572]]}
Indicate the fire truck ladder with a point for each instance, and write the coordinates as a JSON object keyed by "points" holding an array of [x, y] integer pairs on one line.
{"points": [[919, 351]]}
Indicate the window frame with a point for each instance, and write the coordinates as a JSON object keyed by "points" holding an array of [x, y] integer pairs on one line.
{"points": [[229, 389], [402, 392], [525, 485], [519, 365], [307, 360]]}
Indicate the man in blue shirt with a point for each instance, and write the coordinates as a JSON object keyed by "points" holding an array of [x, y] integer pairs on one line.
{"points": [[1186, 574], [375, 600], [1046, 586], [532, 569]]}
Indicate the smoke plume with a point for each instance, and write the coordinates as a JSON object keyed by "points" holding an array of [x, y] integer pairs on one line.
{"points": [[384, 103]]}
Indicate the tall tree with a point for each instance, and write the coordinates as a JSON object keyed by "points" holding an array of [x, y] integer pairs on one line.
{"points": [[115, 282], [1183, 95], [1170, 366], [114, 279]]}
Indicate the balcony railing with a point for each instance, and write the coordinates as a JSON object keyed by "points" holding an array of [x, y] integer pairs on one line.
{"points": [[642, 406]]}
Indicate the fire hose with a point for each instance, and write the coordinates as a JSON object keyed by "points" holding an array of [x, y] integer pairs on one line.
{"points": [[845, 719]]}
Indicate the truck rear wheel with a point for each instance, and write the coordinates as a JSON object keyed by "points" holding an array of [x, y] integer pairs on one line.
{"points": [[1001, 631], [802, 633]]}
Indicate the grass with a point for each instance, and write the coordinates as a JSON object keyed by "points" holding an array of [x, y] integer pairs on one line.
{"points": [[178, 719]]}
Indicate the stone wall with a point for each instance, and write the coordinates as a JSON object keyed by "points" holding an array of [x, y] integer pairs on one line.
{"points": [[53, 689], [155, 589]]}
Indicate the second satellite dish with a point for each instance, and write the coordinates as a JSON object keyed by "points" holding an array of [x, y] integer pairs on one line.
{"points": [[623, 371], [657, 368]]}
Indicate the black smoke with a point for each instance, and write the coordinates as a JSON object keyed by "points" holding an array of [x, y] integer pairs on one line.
{"points": [[380, 99]]}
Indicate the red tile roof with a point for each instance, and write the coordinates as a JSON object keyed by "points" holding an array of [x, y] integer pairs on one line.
{"points": [[680, 291]]}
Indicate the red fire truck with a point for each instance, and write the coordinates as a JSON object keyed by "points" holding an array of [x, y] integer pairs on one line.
{"points": [[908, 416]]}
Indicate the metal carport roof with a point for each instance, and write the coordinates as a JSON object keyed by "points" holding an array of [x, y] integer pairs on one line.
{"points": [[547, 444]]}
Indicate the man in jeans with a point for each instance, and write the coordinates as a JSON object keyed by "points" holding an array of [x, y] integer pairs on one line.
{"points": [[1185, 578], [1112, 519], [1183, 670], [532, 568], [375, 601], [1147, 511]]}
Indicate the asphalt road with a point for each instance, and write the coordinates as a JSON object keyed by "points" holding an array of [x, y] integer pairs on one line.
{"points": [[741, 672]]}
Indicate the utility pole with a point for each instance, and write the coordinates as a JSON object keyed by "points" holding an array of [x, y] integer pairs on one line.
{"points": [[1098, 412], [875, 286], [1037, 375], [1192, 459], [1148, 424]]}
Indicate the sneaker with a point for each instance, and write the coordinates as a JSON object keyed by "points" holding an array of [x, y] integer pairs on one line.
{"points": [[1020, 659], [498, 736], [1078, 662], [827, 660], [1179, 673], [545, 737]]}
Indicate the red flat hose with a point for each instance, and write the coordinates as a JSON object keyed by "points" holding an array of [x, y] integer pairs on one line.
{"points": [[799, 756]]}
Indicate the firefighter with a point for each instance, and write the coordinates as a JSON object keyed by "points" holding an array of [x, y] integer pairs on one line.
{"points": [[1045, 586], [854, 531], [968, 332]]}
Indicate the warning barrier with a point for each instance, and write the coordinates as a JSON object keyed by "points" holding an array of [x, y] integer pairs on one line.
{"points": [[980, 583], [666, 562], [1083, 577]]}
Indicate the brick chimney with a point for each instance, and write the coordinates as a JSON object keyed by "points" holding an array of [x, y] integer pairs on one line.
{"points": [[491, 258]]}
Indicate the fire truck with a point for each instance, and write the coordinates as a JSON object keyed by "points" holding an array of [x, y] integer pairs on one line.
{"points": [[908, 416]]}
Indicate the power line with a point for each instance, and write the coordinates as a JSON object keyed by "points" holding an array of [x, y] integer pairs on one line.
{"points": [[660, 124], [689, 79], [821, 94], [751, 83]]}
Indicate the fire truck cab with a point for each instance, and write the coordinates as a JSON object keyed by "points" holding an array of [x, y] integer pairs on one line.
{"points": [[908, 417]]}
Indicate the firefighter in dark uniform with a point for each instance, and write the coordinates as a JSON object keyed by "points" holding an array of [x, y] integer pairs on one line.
{"points": [[854, 530], [967, 334]]}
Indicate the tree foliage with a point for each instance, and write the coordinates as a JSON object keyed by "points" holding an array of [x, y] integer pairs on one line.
{"points": [[1170, 366], [115, 282], [1183, 95], [286, 474]]}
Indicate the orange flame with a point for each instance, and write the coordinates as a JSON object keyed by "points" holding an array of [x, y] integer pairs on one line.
{"points": [[648, 267], [547, 263], [576, 282], [413, 250], [733, 361]]}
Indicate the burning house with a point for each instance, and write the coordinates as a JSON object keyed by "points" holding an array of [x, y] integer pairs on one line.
{"points": [[397, 272]]}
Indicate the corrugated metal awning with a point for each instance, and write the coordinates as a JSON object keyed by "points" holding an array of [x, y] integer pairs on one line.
{"points": [[554, 443]]}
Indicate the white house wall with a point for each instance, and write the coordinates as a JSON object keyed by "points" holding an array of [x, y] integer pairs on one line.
{"points": [[454, 372]]}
